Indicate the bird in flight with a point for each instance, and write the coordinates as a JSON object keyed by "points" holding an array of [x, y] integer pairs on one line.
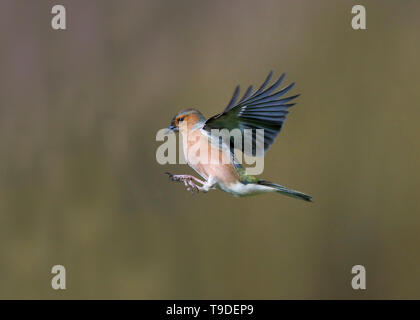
{"points": [[265, 108]]}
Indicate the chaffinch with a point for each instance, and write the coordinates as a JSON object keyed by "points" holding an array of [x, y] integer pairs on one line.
{"points": [[264, 109]]}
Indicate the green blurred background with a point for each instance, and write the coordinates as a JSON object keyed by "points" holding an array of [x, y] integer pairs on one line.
{"points": [[80, 185]]}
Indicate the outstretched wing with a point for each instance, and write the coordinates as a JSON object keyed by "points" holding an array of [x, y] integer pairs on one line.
{"points": [[265, 109]]}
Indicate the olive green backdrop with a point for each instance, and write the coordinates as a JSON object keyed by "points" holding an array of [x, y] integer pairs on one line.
{"points": [[79, 181]]}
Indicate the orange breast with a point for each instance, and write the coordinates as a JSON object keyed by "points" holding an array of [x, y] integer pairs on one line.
{"points": [[207, 159]]}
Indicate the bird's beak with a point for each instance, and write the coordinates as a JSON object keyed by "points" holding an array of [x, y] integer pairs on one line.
{"points": [[171, 128]]}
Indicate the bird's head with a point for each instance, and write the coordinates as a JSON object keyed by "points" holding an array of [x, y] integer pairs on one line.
{"points": [[185, 120]]}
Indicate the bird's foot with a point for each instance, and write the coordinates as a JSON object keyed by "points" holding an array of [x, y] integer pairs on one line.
{"points": [[189, 182]]}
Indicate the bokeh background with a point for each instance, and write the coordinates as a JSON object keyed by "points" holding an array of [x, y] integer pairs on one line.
{"points": [[79, 181]]}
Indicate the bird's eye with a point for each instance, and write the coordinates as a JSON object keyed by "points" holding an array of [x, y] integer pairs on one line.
{"points": [[181, 119]]}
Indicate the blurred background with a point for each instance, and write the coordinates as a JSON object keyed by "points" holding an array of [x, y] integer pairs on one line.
{"points": [[79, 181]]}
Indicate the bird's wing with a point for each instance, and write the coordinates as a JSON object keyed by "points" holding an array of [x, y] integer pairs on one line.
{"points": [[265, 108]]}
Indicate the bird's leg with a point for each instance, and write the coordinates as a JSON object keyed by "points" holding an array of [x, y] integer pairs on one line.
{"points": [[184, 177], [210, 184], [189, 182]]}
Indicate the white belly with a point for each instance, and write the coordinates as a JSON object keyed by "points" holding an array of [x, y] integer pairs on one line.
{"points": [[240, 190]]}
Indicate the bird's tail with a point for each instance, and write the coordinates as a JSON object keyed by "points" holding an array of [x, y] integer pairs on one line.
{"points": [[285, 191]]}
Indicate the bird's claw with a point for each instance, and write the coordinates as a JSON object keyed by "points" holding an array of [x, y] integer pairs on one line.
{"points": [[170, 176], [187, 180]]}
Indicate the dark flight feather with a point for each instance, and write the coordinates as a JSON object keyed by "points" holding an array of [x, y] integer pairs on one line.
{"points": [[262, 109]]}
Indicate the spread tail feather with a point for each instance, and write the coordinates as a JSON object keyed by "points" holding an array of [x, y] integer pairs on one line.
{"points": [[285, 191]]}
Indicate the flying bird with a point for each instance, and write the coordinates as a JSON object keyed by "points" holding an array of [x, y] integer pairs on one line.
{"points": [[265, 108]]}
